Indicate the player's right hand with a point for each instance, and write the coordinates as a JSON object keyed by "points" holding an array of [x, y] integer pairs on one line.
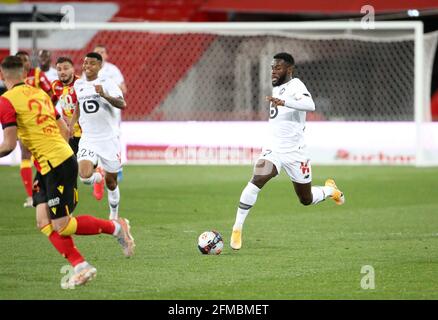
{"points": [[99, 90], [275, 101]]}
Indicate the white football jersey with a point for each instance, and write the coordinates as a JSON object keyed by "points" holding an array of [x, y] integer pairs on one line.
{"points": [[286, 125], [98, 118], [110, 70], [51, 74]]}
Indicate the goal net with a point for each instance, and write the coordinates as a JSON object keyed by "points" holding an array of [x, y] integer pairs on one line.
{"points": [[221, 72]]}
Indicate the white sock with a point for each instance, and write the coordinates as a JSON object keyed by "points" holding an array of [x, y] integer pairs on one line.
{"points": [[113, 201], [321, 193], [247, 200], [80, 266], [117, 228], [95, 178]]}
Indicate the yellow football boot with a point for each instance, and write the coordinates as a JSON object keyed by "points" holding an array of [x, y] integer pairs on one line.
{"points": [[236, 239], [338, 195]]}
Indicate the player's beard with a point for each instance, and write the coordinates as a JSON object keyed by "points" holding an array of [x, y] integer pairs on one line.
{"points": [[68, 81], [280, 81]]}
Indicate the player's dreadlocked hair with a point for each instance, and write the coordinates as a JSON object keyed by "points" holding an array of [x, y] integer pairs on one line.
{"points": [[286, 57]]}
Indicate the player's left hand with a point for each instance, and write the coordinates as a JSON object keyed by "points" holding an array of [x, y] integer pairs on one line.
{"points": [[99, 90], [275, 101]]}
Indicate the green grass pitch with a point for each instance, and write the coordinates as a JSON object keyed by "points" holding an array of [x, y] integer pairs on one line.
{"points": [[389, 221]]}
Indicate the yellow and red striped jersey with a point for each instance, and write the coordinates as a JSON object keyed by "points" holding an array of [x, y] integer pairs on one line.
{"points": [[32, 111], [66, 97], [38, 79]]}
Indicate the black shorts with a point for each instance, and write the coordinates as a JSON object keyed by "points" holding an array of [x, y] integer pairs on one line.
{"points": [[58, 188], [74, 144]]}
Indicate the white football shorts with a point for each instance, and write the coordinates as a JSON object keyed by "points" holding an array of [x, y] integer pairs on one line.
{"points": [[107, 153], [296, 164]]}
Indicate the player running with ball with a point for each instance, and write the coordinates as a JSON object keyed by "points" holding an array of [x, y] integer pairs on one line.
{"points": [[289, 103]]}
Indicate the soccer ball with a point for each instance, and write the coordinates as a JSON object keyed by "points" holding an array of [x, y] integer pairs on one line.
{"points": [[210, 242]]}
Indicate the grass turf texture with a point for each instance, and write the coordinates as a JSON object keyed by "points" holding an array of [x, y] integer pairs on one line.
{"points": [[389, 221]]}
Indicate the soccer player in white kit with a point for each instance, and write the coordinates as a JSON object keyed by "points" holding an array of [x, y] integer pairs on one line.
{"points": [[97, 100], [110, 70], [286, 148]]}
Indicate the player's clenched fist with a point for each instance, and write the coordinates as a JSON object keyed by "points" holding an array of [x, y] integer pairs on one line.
{"points": [[275, 101], [99, 90]]}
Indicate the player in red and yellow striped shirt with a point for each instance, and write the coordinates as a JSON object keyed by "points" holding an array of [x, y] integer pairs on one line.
{"points": [[35, 77], [64, 96], [27, 113]]}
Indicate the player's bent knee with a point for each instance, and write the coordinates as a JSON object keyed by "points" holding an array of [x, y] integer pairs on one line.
{"points": [[42, 217], [111, 185], [46, 229], [259, 181], [306, 201], [111, 181], [67, 227], [42, 223], [86, 169]]}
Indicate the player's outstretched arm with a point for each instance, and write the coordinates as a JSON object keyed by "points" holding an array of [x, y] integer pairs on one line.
{"points": [[9, 141]]}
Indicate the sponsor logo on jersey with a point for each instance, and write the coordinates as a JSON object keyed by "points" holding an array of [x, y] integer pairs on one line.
{"points": [[273, 112], [53, 202]]}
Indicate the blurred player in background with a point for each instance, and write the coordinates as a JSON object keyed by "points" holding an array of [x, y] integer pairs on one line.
{"points": [[45, 64], [111, 71], [35, 78], [28, 113], [98, 99], [64, 97], [289, 103], [2, 87]]}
